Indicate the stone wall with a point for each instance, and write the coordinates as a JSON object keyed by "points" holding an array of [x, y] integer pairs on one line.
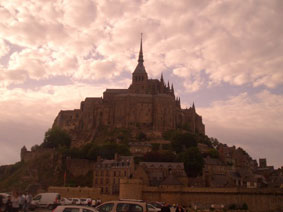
{"points": [[258, 200], [33, 155], [82, 192]]}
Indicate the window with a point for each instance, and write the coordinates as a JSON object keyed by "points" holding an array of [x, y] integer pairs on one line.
{"points": [[125, 207], [105, 207], [37, 197], [71, 210]]}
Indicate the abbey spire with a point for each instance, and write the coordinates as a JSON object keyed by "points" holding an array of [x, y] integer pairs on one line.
{"points": [[140, 60], [140, 69]]}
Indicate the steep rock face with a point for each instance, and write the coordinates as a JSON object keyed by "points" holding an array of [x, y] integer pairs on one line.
{"points": [[148, 104]]}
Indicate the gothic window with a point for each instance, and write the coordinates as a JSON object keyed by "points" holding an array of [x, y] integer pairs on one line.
{"points": [[101, 181], [142, 78]]}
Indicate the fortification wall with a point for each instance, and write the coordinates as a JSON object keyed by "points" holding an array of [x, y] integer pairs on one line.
{"points": [[82, 192], [258, 200], [33, 155]]}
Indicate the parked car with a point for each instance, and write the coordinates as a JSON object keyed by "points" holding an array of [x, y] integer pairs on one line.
{"points": [[84, 201], [5, 197], [46, 200], [74, 208], [65, 201], [76, 201], [152, 208], [122, 206], [157, 204]]}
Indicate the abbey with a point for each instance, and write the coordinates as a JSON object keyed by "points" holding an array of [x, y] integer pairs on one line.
{"points": [[148, 104]]}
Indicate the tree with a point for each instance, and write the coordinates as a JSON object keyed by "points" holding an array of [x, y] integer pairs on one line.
{"points": [[56, 137], [193, 161], [183, 141]]}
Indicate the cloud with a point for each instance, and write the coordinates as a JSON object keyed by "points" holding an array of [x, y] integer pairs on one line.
{"points": [[4, 48], [253, 122]]}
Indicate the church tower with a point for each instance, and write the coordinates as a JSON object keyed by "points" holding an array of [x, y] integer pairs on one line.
{"points": [[139, 76]]}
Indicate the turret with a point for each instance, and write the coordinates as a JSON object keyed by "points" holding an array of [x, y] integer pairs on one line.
{"points": [[172, 90]]}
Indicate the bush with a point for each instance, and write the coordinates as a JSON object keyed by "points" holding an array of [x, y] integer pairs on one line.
{"points": [[56, 137], [193, 161], [245, 206], [183, 141], [155, 147]]}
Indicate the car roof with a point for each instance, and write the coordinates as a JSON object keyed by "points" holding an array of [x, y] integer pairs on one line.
{"points": [[76, 206], [125, 201]]}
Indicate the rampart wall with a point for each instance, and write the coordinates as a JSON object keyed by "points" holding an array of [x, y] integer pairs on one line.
{"points": [[258, 200], [82, 192]]}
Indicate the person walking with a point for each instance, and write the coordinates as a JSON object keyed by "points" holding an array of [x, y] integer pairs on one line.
{"points": [[179, 209], [15, 202], [165, 208], [8, 205]]}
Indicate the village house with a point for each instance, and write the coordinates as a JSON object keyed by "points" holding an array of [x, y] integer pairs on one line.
{"points": [[107, 173]]}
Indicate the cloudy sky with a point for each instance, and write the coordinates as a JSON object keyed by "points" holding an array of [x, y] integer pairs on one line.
{"points": [[225, 55]]}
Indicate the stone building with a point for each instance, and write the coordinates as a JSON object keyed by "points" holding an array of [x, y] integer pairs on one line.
{"points": [[155, 173], [139, 148], [148, 104], [107, 173]]}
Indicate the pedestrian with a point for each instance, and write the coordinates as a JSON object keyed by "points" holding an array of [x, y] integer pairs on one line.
{"points": [[24, 202], [15, 202], [29, 199], [8, 205], [1, 203], [165, 208], [93, 203], [179, 209]]}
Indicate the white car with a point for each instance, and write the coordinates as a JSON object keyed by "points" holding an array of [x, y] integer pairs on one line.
{"points": [[84, 201], [152, 208], [5, 197], [122, 206], [46, 200], [76, 201], [74, 208], [66, 201]]}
